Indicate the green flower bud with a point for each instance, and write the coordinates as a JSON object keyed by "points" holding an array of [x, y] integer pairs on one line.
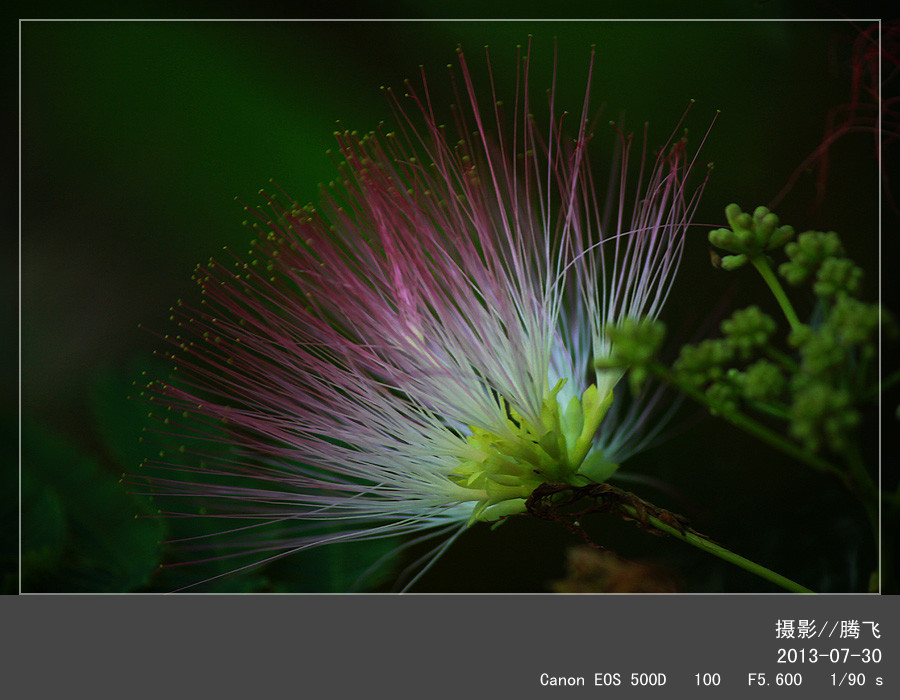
{"points": [[780, 236], [725, 239], [736, 218], [733, 262]]}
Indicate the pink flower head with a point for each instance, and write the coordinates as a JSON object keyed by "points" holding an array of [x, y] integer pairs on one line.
{"points": [[417, 353]]}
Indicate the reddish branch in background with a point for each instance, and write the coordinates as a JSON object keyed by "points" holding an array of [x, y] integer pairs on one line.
{"points": [[874, 67]]}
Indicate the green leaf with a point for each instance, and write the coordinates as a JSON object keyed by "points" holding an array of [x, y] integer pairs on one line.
{"points": [[81, 530]]}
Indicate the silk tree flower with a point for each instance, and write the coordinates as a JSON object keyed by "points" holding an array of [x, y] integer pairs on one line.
{"points": [[417, 354]]}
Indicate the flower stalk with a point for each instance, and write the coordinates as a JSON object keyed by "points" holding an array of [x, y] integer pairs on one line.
{"points": [[761, 263], [719, 551], [556, 502]]}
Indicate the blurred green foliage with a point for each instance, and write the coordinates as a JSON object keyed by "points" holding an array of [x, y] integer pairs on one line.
{"points": [[80, 530]]}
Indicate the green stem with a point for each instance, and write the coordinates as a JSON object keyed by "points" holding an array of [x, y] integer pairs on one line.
{"points": [[781, 358], [748, 425], [761, 263], [719, 551], [551, 502], [778, 411]]}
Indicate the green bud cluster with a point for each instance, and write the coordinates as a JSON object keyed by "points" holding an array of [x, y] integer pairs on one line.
{"points": [[849, 327], [837, 276], [821, 351], [723, 398], [807, 253], [854, 321], [822, 413], [748, 329], [704, 362], [634, 344], [749, 236], [709, 363], [820, 256], [816, 386], [761, 381]]}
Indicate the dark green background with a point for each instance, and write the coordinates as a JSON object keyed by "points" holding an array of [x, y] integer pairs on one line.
{"points": [[136, 137]]}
